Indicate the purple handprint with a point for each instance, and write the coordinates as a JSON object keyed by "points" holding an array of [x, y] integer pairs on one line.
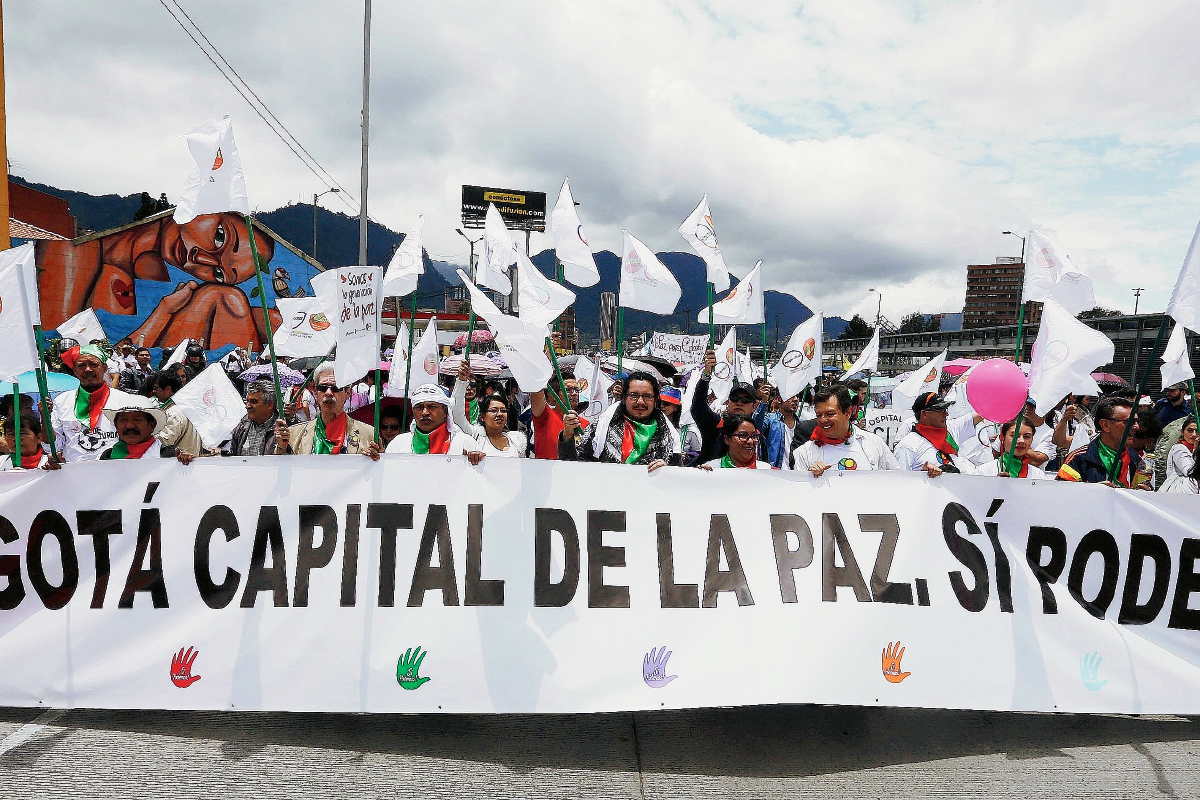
{"points": [[654, 668]]}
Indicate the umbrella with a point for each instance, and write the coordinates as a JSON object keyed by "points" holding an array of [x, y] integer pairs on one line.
{"points": [[57, 382], [959, 365], [287, 375], [480, 365], [478, 337], [305, 364], [1109, 378]]}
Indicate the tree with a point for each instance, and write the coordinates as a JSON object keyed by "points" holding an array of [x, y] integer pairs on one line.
{"points": [[913, 323], [147, 207], [163, 203], [1098, 312], [857, 328]]}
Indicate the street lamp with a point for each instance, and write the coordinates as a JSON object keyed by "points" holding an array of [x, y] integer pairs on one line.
{"points": [[317, 197], [1022, 238], [878, 307]]}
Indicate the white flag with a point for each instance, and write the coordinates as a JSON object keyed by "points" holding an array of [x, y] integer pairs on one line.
{"points": [[407, 264], [425, 362], [742, 306], [723, 374], [1176, 367], [700, 232], [84, 327], [216, 183], [539, 299], [800, 364], [19, 352], [1066, 351], [212, 404], [350, 297], [689, 394], [1050, 274], [1184, 307], [570, 245], [924, 379], [594, 386], [521, 344], [868, 359], [499, 253], [178, 354], [307, 329], [646, 284]]}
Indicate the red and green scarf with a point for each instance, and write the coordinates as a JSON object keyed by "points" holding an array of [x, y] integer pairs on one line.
{"points": [[636, 439], [1014, 467], [436, 442], [330, 439], [821, 439], [940, 438], [122, 451], [90, 405], [28, 460], [729, 463]]}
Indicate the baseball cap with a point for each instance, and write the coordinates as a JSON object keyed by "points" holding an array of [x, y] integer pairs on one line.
{"points": [[670, 394], [742, 389], [929, 401]]}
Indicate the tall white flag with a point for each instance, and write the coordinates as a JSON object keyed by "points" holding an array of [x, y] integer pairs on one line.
{"points": [[540, 300], [923, 379], [407, 264], [84, 327], [1176, 366], [646, 283], [19, 352], [724, 373], [1050, 274], [700, 232], [521, 344], [868, 359], [742, 306], [350, 295], [425, 362], [178, 354], [1066, 351], [594, 386], [800, 364], [307, 329], [216, 183], [570, 245], [212, 404], [499, 253], [1184, 307]]}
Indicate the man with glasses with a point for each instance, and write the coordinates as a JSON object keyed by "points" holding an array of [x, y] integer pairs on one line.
{"points": [[838, 444], [636, 432], [255, 434], [1094, 463], [333, 432], [389, 425]]}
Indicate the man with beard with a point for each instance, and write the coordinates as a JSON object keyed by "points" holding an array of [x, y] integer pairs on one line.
{"points": [[433, 433], [836, 443], [333, 432], [136, 425], [80, 428], [635, 432]]}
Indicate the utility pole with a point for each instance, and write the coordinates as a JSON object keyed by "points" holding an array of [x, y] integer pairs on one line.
{"points": [[5, 241], [1137, 295], [366, 129]]}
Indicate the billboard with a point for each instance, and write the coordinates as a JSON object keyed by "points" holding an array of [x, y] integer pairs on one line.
{"points": [[160, 282], [524, 211]]}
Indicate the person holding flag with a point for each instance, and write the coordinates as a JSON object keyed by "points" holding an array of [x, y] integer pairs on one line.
{"points": [[1022, 452], [80, 428], [333, 432], [1095, 463], [491, 431], [432, 431], [932, 445], [836, 442], [636, 431], [32, 454], [741, 445]]}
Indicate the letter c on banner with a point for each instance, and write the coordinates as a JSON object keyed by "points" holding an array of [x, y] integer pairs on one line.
{"points": [[215, 595]]}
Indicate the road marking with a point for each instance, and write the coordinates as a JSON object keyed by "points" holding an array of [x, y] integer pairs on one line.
{"points": [[26, 732]]}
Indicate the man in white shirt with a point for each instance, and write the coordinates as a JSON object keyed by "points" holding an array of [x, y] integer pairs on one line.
{"points": [[836, 443], [80, 428], [432, 431], [932, 445]]}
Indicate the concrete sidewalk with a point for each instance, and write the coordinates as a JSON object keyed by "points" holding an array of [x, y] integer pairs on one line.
{"points": [[773, 751]]}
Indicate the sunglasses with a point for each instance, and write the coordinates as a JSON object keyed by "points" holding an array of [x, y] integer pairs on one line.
{"points": [[322, 388]]}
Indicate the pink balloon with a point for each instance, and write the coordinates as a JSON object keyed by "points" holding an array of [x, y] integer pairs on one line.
{"points": [[996, 389]]}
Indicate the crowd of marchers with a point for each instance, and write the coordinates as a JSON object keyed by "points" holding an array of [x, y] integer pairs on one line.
{"points": [[123, 409]]}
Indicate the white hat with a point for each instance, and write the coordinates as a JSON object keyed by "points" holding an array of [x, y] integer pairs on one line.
{"points": [[430, 393], [146, 406]]}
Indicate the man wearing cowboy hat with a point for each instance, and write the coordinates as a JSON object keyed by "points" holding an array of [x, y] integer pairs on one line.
{"points": [[433, 433], [333, 432], [80, 428], [135, 424]]}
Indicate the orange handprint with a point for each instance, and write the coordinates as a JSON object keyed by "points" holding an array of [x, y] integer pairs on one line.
{"points": [[891, 663]]}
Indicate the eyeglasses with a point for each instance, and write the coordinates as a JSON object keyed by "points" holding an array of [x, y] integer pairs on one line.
{"points": [[649, 398], [322, 388], [497, 410], [746, 437]]}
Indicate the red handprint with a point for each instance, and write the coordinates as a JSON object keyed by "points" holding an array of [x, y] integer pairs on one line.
{"points": [[181, 668]]}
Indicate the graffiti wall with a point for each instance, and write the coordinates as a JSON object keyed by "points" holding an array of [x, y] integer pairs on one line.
{"points": [[160, 282]]}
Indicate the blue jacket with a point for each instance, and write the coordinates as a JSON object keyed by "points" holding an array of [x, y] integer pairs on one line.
{"points": [[1085, 466], [770, 427], [1168, 413]]}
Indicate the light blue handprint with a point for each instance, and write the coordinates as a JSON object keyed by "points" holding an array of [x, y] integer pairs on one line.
{"points": [[1089, 671], [654, 668]]}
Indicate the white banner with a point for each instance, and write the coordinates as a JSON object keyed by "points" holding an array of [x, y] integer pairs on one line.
{"points": [[678, 348], [351, 296], [422, 584]]}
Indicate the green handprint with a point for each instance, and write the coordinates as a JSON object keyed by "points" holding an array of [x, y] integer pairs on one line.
{"points": [[407, 668]]}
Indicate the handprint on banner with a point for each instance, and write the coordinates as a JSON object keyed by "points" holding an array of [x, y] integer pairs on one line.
{"points": [[654, 668], [181, 668], [1089, 671], [407, 668], [891, 663]]}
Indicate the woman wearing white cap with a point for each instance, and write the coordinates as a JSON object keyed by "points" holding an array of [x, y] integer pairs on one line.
{"points": [[432, 432]]}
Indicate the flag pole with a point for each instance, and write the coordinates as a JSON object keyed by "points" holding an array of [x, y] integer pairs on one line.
{"points": [[262, 297], [565, 401], [44, 390], [1114, 473], [712, 342], [621, 337], [764, 347], [17, 422], [412, 321]]}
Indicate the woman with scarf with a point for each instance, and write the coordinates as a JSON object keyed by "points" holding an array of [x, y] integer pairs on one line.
{"points": [[999, 466], [333, 432], [433, 432], [741, 443], [634, 431], [1182, 456], [77, 418], [32, 455]]}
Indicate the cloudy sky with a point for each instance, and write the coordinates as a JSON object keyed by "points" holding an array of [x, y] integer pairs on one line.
{"points": [[849, 145]]}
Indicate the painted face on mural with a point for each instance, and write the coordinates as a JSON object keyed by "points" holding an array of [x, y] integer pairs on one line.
{"points": [[213, 248]]}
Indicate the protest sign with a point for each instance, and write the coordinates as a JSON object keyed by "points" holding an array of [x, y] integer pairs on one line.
{"points": [[678, 348], [350, 296]]}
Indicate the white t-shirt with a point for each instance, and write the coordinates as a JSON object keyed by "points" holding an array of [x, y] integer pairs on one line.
{"points": [[864, 451], [716, 464], [74, 440], [1180, 461], [914, 451], [516, 445], [789, 434], [991, 469]]}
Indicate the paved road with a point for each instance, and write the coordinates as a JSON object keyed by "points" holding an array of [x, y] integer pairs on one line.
{"points": [[780, 751]]}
